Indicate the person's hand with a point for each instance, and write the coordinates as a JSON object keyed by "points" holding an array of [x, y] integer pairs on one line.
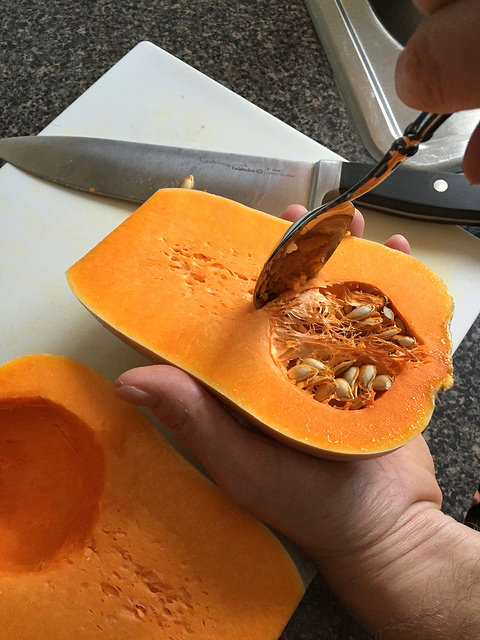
{"points": [[279, 485], [438, 70], [362, 522]]}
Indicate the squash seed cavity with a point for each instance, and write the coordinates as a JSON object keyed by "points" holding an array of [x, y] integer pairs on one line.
{"points": [[343, 344]]}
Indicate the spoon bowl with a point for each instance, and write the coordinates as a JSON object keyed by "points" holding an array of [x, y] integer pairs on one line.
{"points": [[311, 240]]}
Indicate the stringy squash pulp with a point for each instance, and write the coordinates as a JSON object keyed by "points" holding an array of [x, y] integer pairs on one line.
{"points": [[349, 366]]}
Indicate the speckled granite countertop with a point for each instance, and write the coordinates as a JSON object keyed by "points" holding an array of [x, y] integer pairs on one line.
{"points": [[268, 52]]}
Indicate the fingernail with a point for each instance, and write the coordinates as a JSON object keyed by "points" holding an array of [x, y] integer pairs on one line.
{"points": [[134, 395]]}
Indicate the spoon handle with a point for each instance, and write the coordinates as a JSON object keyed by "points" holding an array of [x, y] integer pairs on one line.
{"points": [[423, 127], [420, 130]]}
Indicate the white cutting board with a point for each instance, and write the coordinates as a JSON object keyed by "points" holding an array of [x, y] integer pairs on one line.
{"points": [[150, 96]]}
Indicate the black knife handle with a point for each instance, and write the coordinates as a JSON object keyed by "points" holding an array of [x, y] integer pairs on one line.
{"points": [[418, 193]]}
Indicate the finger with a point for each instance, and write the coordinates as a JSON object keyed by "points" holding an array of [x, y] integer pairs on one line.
{"points": [[398, 242], [357, 225], [293, 212], [429, 6], [471, 160], [437, 71], [246, 464]]}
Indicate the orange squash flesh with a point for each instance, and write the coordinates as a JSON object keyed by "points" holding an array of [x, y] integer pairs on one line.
{"points": [[176, 281], [106, 532]]}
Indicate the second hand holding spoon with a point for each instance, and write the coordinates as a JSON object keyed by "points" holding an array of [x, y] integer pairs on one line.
{"points": [[309, 242]]}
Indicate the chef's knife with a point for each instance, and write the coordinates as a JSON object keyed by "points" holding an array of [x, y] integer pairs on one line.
{"points": [[134, 171]]}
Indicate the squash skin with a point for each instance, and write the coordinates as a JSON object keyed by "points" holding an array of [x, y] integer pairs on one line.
{"points": [[176, 280], [159, 553]]}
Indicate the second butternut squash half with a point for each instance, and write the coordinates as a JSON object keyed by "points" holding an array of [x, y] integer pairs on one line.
{"points": [[107, 533]]}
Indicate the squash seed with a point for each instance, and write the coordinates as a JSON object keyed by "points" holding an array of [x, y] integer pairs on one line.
{"points": [[388, 333], [187, 183], [318, 378], [388, 313], [360, 313], [313, 362], [324, 390], [368, 323], [343, 390], [301, 372], [366, 376], [351, 375], [382, 382], [405, 341], [359, 402], [339, 368]]}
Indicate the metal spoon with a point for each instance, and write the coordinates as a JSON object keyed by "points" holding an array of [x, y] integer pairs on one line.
{"points": [[309, 242]]}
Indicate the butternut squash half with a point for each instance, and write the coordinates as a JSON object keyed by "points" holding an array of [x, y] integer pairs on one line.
{"points": [[349, 366], [106, 532]]}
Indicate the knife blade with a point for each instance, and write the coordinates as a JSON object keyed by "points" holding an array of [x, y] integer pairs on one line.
{"points": [[134, 171]]}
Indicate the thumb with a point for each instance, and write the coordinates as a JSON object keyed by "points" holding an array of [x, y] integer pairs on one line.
{"points": [[262, 475], [437, 70]]}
